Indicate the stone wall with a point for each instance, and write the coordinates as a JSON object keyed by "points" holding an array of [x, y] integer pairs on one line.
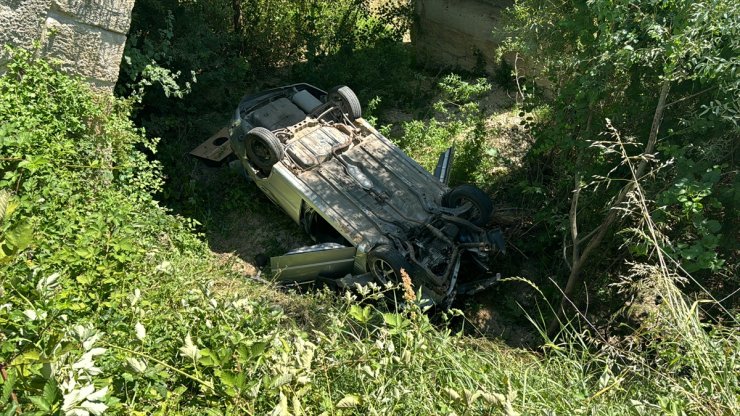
{"points": [[457, 33], [86, 36]]}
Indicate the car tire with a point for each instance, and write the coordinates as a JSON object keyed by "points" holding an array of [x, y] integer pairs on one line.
{"points": [[263, 149], [347, 101], [385, 264], [482, 209]]}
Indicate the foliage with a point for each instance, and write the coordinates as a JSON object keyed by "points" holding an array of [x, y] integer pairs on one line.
{"points": [[240, 41], [458, 122], [607, 59], [603, 64], [674, 328], [148, 64], [12, 239], [84, 190], [116, 307]]}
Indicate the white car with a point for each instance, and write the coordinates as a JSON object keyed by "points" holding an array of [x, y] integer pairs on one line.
{"points": [[373, 210]]}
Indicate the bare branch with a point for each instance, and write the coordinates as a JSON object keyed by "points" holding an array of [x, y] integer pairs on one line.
{"points": [[574, 220], [690, 96], [575, 279], [516, 78]]}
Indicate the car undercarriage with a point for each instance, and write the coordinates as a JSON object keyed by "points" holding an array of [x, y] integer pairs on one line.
{"points": [[316, 158]]}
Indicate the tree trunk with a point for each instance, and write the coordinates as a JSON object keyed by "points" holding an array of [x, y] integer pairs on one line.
{"points": [[236, 6]]}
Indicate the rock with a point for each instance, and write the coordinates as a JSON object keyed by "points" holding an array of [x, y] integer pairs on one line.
{"points": [[109, 15], [86, 36]]}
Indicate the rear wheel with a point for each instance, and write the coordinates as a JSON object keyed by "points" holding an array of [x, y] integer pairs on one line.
{"points": [[346, 100], [482, 206], [386, 263], [263, 149]]}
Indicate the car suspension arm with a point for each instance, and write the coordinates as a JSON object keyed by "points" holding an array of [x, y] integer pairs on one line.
{"points": [[443, 280]]}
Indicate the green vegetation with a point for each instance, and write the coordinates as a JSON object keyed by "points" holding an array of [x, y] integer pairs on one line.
{"points": [[459, 121], [661, 75], [111, 300]]}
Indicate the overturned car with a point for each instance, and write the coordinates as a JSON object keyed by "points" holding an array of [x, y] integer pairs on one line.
{"points": [[372, 210]]}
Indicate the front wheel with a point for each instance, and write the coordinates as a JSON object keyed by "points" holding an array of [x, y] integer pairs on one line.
{"points": [[482, 206], [386, 263]]}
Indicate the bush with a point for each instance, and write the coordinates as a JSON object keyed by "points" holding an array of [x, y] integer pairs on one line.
{"points": [[626, 53], [82, 180], [459, 122]]}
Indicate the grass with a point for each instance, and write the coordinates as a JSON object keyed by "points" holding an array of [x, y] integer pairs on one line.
{"points": [[339, 354]]}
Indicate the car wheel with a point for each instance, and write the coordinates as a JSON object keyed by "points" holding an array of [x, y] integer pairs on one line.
{"points": [[263, 148], [482, 208], [385, 263], [347, 101]]}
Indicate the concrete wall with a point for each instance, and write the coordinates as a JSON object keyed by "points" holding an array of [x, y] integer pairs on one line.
{"points": [[86, 36], [457, 33]]}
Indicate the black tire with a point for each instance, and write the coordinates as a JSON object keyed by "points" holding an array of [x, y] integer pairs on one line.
{"points": [[263, 149], [385, 263], [347, 101], [261, 260], [482, 208]]}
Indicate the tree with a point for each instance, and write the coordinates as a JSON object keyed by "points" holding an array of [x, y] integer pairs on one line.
{"points": [[611, 59]]}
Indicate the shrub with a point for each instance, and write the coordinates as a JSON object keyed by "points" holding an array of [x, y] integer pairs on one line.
{"points": [[82, 179], [606, 60], [458, 122]]}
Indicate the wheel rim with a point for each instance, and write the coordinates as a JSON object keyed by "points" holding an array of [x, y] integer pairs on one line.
{"points": [[384, 271]]}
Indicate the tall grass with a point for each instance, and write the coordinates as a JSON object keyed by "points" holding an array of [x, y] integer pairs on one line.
{"points": [[695, 363]]}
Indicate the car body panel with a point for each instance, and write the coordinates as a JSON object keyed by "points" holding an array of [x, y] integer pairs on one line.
{"points": [[369, 215], [284, 190], [312, 263], [216, 149], [444, 165]]}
